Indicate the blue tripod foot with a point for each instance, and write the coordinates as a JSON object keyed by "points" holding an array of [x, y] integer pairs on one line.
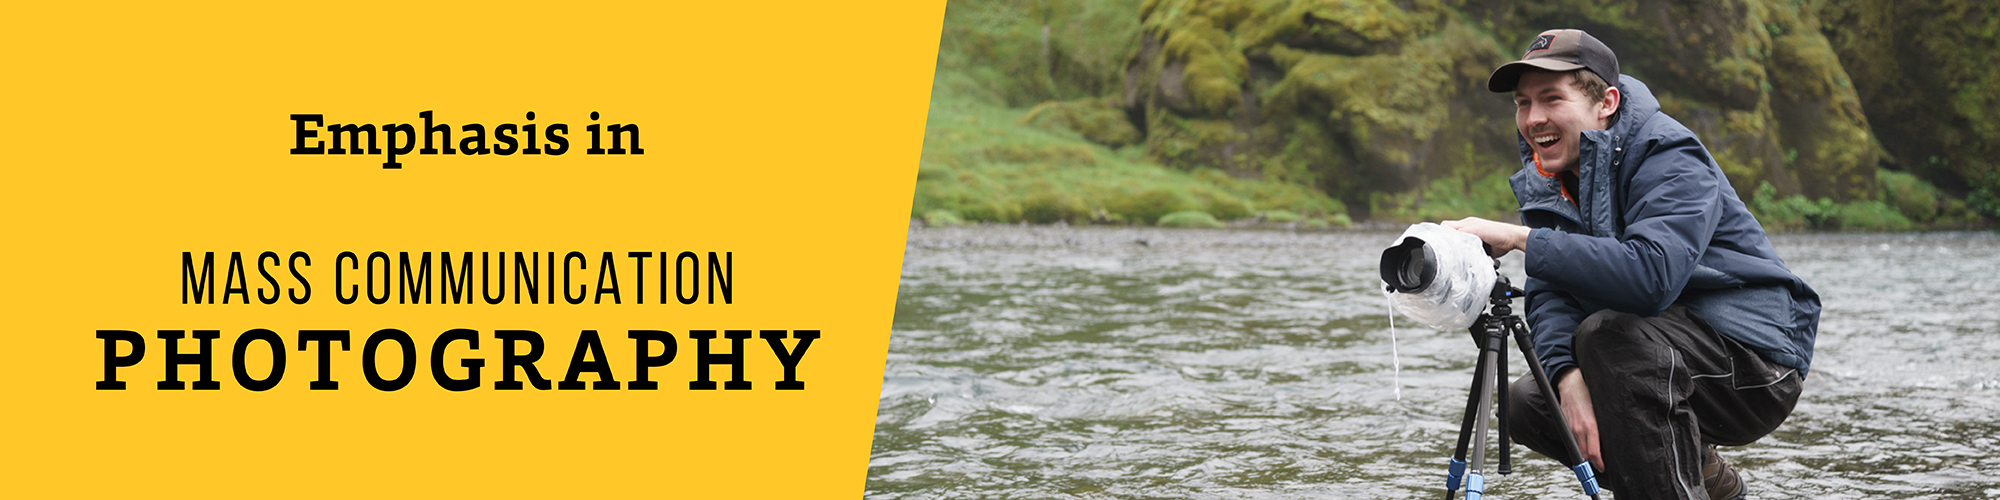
{"points": [[1587, 478], [1451, 479]]}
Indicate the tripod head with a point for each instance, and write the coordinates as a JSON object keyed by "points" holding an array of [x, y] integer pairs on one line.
{"points": [[1503, 295], [1500, 301]]}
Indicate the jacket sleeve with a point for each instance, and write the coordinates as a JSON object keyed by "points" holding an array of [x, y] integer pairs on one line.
{"points": [[1555, 316], [1673, 208]]}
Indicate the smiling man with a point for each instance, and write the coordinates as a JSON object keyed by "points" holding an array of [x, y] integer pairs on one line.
{"points": [[1658, 305]]}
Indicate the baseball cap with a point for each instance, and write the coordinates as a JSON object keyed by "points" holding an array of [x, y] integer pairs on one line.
{"points": [[1558, 50]]}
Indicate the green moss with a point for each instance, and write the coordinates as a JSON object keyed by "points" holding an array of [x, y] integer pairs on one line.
{"points": [[932, 171], [1221, 204], [1212, 69], [1281, 216], [1054, 154], [1049, 205], [1310, 91], [1190, 142], [1928, 78], [1190, 218], [1150, 204], [942, 218], [983, 164], [994, 50], [1261, 105], [1095, 119], [1342, 26]]}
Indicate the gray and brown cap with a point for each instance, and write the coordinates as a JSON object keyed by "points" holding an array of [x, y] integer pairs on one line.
{"points": [[1558, 50]]}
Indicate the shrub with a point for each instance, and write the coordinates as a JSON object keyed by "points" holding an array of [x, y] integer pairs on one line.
{"points": [[1189, 218], [1150, 204], [1870, 215], [1342, 220], [1044, 207], [1791, 213], [1914, 198]]}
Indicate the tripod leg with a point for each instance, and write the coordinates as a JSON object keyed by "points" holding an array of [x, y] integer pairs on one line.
{"points": [[1584, 474], [1475, 485], [1472, 407], [1500, 383]]}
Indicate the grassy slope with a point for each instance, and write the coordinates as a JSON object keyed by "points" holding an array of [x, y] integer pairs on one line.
{"points": [[981, 164]]}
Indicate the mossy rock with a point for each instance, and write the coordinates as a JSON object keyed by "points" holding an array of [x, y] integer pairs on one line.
{"points": [[1096, 119], [1189, 218], [1758, 81], [1348, 96]]}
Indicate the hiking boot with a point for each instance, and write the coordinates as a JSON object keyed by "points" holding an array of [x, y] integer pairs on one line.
{"points": [[1719, 478]]}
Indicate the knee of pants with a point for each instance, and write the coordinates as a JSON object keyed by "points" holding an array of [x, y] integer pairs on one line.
{"points": [[1531, 419], [1526, 409], [1614, 337]]}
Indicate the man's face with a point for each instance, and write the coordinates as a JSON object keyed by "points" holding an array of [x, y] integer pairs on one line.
{"points": [[1552, 114]]}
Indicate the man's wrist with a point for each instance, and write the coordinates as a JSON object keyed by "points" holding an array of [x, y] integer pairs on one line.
{"points": [[1562, 375]]}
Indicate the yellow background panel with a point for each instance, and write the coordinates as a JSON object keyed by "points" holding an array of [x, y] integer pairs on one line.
{"points": [[785, 134]]}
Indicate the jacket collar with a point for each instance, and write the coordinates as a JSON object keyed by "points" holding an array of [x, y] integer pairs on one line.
{"points": [[1596, 154]]}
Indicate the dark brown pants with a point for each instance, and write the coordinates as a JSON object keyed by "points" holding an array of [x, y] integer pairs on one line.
{"points": [[1663, 388]]}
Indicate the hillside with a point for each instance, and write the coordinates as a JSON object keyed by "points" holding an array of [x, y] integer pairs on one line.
{"points": [[1860, 115]]}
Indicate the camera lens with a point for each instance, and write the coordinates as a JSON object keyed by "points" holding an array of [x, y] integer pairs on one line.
{"points": [[1410, 266], [1413, 272]]}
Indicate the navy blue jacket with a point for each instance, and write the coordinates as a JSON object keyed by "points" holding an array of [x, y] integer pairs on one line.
{"points": [[1655, 224]]}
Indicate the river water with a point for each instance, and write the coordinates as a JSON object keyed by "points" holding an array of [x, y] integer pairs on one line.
{"points": [[1052, 362]]}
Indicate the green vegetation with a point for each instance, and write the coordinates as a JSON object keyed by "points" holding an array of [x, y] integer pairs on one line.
{"points": [[1823, 115], [1189, 218], [1904, 203], [1463, 195], [982, 163], [1015, 136]]}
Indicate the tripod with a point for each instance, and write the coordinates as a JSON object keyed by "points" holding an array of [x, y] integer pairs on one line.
{"points": [[1490, 332]]}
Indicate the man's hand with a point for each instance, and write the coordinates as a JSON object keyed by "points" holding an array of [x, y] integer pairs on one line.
{"points": [[1503, 237], [1581, 416]]}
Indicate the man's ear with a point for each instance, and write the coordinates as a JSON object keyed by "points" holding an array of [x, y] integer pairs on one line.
{"points": [[1611, 101]]}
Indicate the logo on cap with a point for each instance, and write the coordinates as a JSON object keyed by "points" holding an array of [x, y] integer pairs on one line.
{"points": [[1541, 43]]}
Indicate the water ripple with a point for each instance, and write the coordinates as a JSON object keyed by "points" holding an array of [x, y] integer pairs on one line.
{"points": [[1136, 363]]}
